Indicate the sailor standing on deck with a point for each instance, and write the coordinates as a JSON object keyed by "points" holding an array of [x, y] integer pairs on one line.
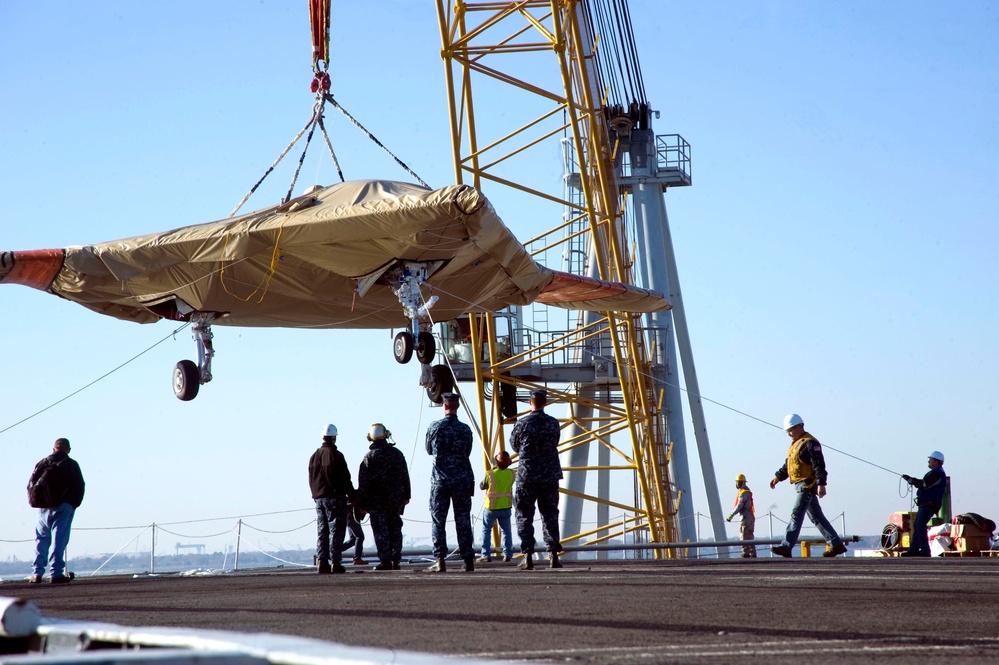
{"points": [[535, 438], [452, 482], [806, 468], [383, 491], [329, 480], [744, 507]]}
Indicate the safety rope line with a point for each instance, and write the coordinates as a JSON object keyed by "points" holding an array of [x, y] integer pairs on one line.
{"points": [[682, 389], [199, 521], [297, 528], [184, 535], [268, 554], [118, 552], [100, 378], [752, 417]]}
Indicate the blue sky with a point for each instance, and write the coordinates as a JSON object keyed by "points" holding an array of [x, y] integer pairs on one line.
{"points": [[836, 251]]}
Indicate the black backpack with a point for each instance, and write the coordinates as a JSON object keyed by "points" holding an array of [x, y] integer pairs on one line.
{"points": [[41, 493]]}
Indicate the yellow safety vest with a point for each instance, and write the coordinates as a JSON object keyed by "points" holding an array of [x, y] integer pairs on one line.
{"points": [[500, 493], [797, 470], [738, 497]]}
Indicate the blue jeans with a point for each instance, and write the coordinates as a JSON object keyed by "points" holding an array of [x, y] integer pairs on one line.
{"points": [[502, 516], [53, 523], [920, 540], [805, 501]]}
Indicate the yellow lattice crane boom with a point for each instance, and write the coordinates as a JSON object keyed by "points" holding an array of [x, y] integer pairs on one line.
{"points": [[540, 62]]}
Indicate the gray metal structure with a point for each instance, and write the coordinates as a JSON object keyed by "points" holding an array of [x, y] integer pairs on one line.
{"points": [[647, 166]]}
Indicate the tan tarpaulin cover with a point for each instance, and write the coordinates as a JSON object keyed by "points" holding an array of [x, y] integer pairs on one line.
{"points": [[300, 264]]}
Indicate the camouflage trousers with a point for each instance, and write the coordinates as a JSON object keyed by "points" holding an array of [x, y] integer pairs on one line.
{"points": [[545, 495], [441, 498], [331, 523], [747, 531], [386, 527]]}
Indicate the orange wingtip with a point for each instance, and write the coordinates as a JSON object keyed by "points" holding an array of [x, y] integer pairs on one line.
{"points": [[567, 288], [36, 268]]}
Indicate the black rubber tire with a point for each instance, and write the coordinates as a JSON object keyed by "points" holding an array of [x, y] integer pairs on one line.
{"points": [[186, 380], [402, 347], [426, 348], [442, 381]]}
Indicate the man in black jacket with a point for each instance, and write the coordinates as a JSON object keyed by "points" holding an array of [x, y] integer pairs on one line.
{"points": [[329, 479], [929, 497], [65, 488], [383, 491]]}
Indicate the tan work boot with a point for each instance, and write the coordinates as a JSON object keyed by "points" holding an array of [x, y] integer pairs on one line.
{"points": [[528, 562]]}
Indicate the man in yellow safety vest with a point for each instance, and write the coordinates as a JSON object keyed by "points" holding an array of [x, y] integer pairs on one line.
{"points": [[806, 468], [499, 503], [744, 507]]}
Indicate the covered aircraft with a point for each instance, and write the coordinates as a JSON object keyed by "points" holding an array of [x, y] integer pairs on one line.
{"points": [[360, 254]]}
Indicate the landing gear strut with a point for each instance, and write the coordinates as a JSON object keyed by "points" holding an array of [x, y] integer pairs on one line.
{"points": [[437, 379], [188, 377]]}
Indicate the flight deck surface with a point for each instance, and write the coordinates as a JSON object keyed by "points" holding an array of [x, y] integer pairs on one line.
{"points": [[844, 610]]}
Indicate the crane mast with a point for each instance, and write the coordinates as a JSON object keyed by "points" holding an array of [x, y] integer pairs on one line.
{"points": [[598, 365]]}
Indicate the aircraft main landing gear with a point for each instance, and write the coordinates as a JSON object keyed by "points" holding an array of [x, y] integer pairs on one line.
{"points": [[187, 376]]}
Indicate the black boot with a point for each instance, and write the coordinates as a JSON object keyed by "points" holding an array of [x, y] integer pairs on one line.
{"points": [[438, 567], [528, 562], [396, 564], [555, 563], [386, 564], [469, 565], [324, 567]]}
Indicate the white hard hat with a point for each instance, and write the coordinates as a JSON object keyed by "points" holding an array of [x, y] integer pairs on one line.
{"points": [[330, 430], [378, 431], [937, 455], [792, 419]]}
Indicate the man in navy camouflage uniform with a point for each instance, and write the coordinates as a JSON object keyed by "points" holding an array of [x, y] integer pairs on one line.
{"points": [[535, 438], [383, 492], [451, 482], [329, 479]]}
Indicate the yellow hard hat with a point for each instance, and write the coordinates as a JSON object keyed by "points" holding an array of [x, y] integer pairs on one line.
{"points": [[740, 478]]}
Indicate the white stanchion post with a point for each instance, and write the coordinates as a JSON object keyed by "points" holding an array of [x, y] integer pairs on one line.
{"points": [[770, 518], [239, 537]]}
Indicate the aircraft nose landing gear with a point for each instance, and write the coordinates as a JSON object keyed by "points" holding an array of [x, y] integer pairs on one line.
{"points": [[188, 377]]}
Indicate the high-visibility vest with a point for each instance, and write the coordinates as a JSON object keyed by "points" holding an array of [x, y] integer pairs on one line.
{"points": [[738, 497], [797, 470], [500, 492]]}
